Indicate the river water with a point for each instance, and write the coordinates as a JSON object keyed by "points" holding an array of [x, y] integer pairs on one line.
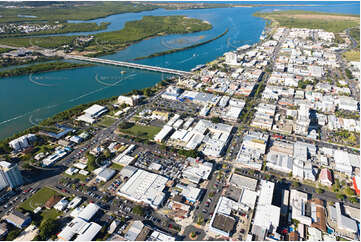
{"points": [[26, 100]]}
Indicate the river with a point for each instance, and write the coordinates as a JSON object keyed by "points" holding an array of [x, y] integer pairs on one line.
{"points": [[26, 100]]}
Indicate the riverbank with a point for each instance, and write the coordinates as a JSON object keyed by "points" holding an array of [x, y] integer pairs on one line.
{"points": [[6, 62], [44, 67], [181, 49], [61, 28]]}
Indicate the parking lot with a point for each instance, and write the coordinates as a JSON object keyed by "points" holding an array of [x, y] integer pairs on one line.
{"points": [[170, 167]]}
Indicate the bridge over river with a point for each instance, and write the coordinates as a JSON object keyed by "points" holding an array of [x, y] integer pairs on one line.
{"points": [[128, 64], [48, 52]]}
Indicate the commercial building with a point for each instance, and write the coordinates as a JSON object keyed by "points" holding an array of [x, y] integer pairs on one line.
{"points": [[74, 202], [280, 162], [89, 211], [10, 175], [244, 182], [344, 160], [134, 231], [106, 175], [83, 230], [191, 193], [18, 219], [325, 177], [51, 159], [146, 187], [131, 101], [253, 146], [298, 201], [22, 142], [197, 170], [62, 204], [318, 215], [92, 113], [163, 134], [344, 222], [267, 216], [222, 222]]}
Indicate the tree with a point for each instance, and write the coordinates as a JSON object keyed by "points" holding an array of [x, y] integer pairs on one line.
{"points": [[13, 234], [139, 210], [91, 162], [125, 125], [349, 192], [216, 120], [47, 228], [353, 199], [340, 196], [148, 92], [188, 153], [296, 184], [319, 190], [107, 153], [26, 166]]}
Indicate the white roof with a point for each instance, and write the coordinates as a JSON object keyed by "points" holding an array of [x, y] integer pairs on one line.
{"points": [[144, 186], [80, 165], [134, 230], [75, 202], [163, 133], [244, 182], [342, 161], [191, 193], [249, 198], [89, 233], [298, 202], [85, 118], [106, 174], [266, 214], [160, 236], [93, 110], [89, 211]]}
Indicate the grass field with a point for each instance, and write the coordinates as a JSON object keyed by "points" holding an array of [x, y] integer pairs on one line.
{"points": [[314, 20], [105, 122], [38, 199], [70, 11], [116, 167], [76, 176], [354, 55], [146, 132]]}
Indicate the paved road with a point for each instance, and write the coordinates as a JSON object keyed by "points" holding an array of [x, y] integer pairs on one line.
{"points": [[327, 195]]}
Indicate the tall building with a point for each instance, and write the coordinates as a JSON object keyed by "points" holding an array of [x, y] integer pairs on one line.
{"points": [[10, 175]]}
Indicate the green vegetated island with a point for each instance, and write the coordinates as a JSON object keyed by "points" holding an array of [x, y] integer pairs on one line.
{"points": [[43, 67], [184, 48], [108, 42]]}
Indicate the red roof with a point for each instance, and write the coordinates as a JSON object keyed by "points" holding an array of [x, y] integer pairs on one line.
{"points": [[325, 175], [356, 183]]}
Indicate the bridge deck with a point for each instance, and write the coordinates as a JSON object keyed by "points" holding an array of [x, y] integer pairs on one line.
{"points": [[128, 64]]}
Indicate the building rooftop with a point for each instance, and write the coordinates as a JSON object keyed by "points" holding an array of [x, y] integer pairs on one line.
{"points": [[244, 182]]}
